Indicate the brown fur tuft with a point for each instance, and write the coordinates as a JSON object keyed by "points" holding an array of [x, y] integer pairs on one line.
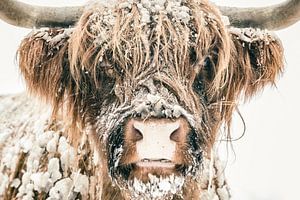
{"points": [[106, 60]]}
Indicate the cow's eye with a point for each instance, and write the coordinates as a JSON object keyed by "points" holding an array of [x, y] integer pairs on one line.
{"points": [[203, 78], [193, 56], [208, 69], [206, 62]]}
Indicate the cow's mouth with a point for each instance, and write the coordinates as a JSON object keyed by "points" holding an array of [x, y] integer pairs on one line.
{"points": [[144, 168], [155, 163]]}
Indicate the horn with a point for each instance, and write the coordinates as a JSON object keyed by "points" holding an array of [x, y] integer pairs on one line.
{"points": [[271, 17], [28, 16], [274, 17]]}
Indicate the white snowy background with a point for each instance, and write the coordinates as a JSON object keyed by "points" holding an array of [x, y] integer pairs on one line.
{"points": [[265, 163]]}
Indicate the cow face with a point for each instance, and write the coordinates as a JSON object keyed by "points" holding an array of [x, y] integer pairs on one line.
{"points": [[153, 84], [158, 140]]}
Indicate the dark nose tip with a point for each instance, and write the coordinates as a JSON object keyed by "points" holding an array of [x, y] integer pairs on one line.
{"points": [[176, 135], [136, 135]]}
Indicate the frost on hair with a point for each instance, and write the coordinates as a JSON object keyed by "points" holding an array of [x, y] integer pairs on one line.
{"points": [[160, 59]]}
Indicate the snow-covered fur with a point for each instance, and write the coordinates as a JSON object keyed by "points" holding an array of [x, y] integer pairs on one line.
{"points": [[135, 58], [38, 162]]}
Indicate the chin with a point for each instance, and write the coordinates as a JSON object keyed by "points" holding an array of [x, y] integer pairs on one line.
{"points": [[152, 179]]}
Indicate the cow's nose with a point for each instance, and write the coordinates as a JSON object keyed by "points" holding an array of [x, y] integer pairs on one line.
{"points": [[156, 138], [159, 130]]}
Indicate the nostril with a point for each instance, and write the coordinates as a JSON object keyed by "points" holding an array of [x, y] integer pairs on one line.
{"points": [[136, 135], [175, 135]]}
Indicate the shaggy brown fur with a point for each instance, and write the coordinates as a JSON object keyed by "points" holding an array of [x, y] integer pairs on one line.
{"points": [[207, 66], [78, 73]]}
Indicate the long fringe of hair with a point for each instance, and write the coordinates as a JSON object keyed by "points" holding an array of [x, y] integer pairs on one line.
{"points": [[105, 59]]}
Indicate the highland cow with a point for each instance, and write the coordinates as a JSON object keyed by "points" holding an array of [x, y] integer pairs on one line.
{"points": [[131, 98]]}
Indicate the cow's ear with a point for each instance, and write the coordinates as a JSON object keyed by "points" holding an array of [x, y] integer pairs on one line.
{"points": [[257, 60], [44, 64]]}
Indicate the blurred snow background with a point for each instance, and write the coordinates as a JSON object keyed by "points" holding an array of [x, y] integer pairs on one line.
{"points": [[265, 163]]}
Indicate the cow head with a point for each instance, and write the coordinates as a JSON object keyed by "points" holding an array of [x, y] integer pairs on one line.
{"points": [[150, 83]]}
